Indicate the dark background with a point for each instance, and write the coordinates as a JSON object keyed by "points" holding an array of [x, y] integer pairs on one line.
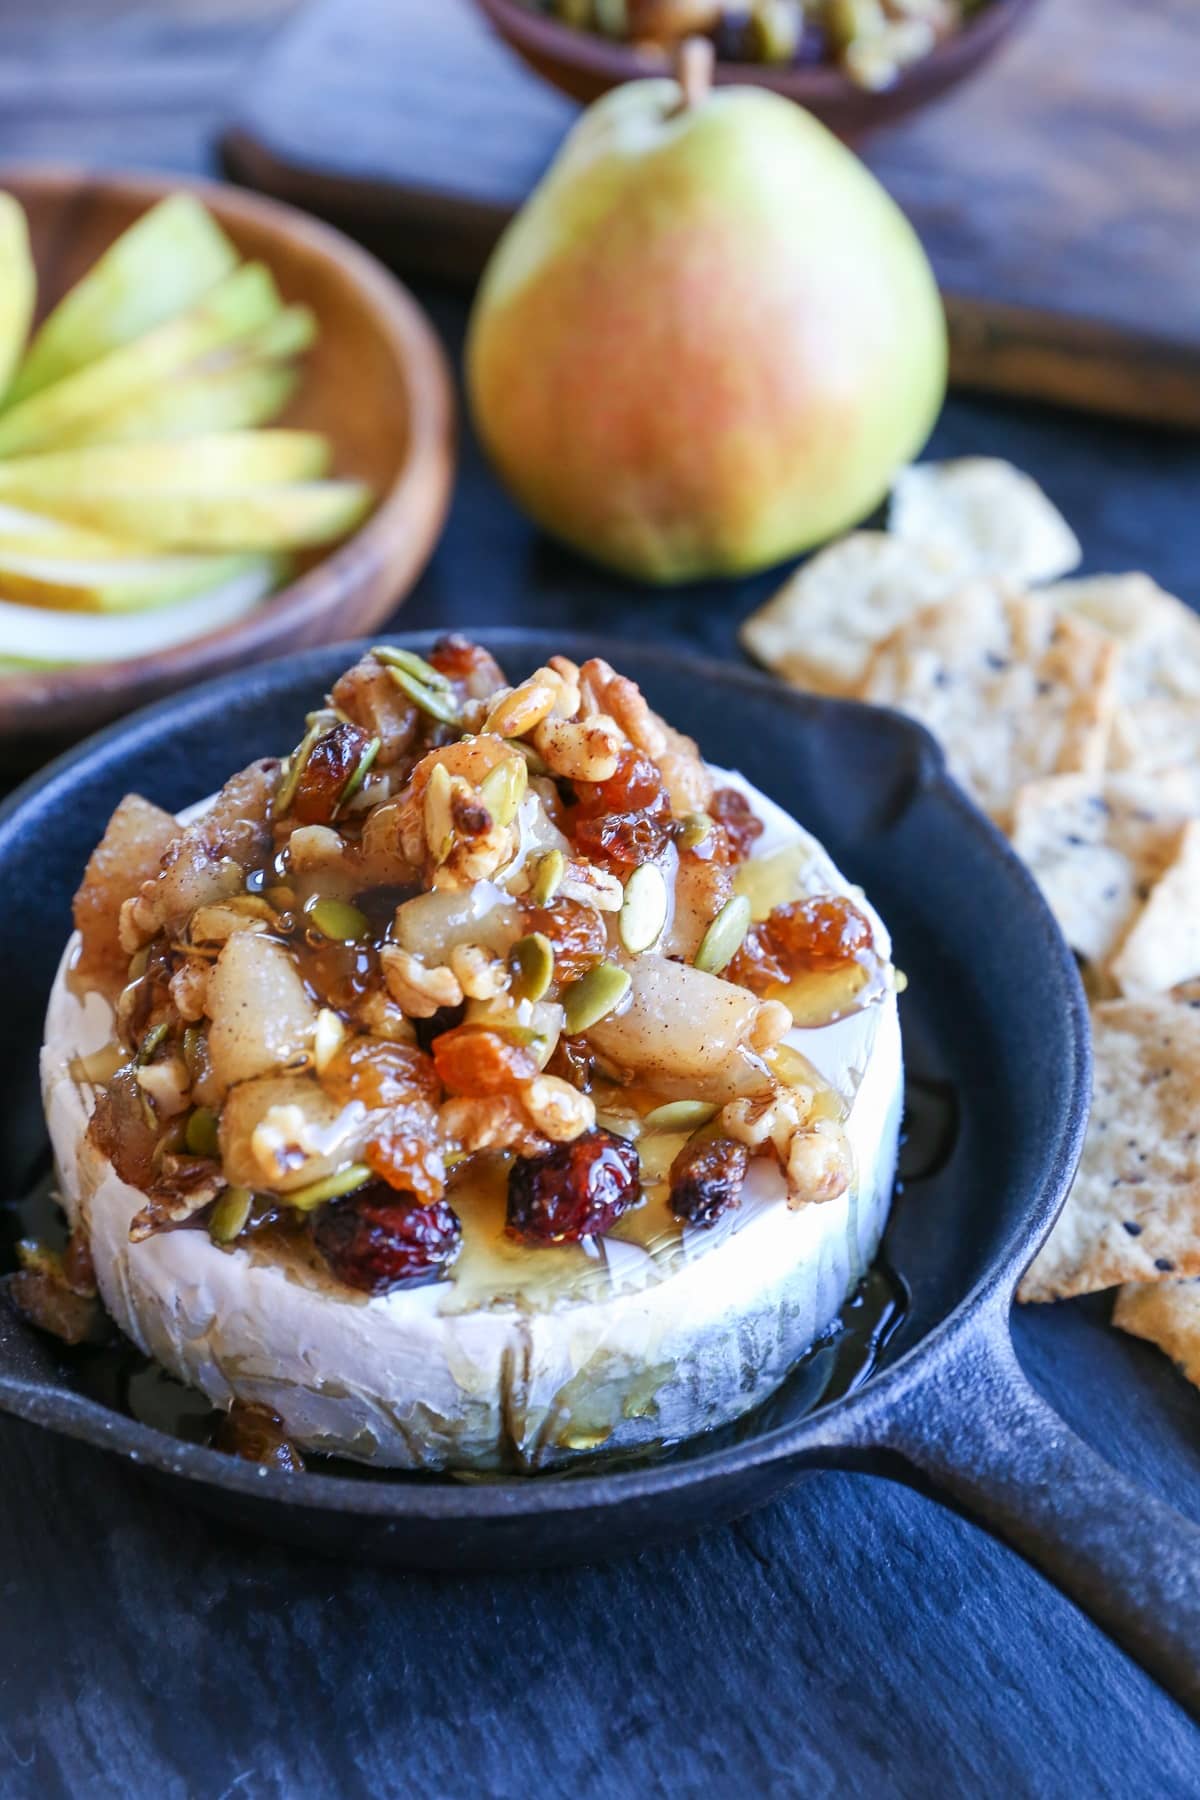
{"points": [[855, 1638]]}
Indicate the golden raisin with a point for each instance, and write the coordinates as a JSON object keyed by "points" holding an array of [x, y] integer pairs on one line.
{"points": [[380, 1073], [576, 932], [475, 1061]]}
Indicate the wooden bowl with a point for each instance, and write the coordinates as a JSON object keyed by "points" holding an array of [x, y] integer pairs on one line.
{"points": [[376, 383], [586, 65]]}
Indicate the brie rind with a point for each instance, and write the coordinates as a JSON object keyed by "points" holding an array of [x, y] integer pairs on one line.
{"points": [[648, 1350]]}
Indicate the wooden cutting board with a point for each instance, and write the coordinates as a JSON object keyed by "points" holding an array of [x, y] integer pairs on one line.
{"points": [[1058, 193]]}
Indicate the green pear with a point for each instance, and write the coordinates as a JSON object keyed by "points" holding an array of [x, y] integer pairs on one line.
{"points": [[709, 338], [34, 635], [18, 287], [295, 516], [231, 459], [132, 582], [161, 266], [240, 304]]}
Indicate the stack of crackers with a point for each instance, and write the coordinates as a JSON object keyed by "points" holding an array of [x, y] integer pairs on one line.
{"points": [[1070, 710]]}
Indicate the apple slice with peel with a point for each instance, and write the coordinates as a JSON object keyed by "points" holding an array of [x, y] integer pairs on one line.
{"points": [[240, 304], [291, 517], [220, 459], [234, 389], [34, 635], [162, 265], [131, 583], [18, 286], [235, 398]]}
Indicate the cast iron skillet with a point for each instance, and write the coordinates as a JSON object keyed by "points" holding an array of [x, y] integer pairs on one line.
{"points": [[994, 1006]]}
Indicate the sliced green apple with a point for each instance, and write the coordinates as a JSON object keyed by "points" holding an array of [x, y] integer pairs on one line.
{"points": [[129, 584], [231, 459], [293, 517], [18, 286], [235, 398], [240, 304], [32, 634], [158, 268]]}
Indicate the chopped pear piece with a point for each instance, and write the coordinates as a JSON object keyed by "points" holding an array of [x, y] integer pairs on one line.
{"points": [[230, 399], [231, 459], [18, 286], [133, 583], [158, 268], [292, 517], [240, 304], [32, 634]]}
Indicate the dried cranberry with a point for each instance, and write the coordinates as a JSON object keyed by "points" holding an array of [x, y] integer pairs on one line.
{"points": [[376, 1241], [575, 1190], [737, 819], [331, 762], [706, 1179], [257, 1435]]}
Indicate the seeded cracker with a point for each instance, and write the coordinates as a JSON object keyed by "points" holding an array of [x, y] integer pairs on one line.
{"points": [[987, 517], [1167, 1314], [1011, 690], [823, 626], [1162, 949], [1134, 1211], [1096, 848], [1158, 689]]}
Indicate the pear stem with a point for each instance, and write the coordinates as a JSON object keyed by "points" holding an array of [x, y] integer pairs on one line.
{"points": [[694, 71]]}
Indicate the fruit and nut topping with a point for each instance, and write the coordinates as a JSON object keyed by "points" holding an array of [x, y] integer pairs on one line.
{"points": [[457, 925]]}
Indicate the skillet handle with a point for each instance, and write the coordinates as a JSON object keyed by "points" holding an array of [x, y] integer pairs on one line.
{"points": [[982, 1436]]}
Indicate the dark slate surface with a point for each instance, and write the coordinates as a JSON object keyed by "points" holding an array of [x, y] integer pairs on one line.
{"points": [[855, 1638]]}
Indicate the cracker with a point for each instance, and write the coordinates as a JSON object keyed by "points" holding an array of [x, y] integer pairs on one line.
{"points": [[1162, 947], [987, 516], [820, 630], [1096, 848], [1134, 1211], [1166, 1314], [1012, 690], [1158, 689]]}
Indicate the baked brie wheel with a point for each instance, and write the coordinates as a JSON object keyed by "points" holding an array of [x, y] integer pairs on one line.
{"points": [[488, 1084]]}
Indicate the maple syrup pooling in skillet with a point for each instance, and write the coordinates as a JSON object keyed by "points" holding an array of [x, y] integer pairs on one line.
{"points": [[119, 1376]]}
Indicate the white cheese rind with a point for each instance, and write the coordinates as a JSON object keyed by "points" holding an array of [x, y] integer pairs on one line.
{"points": [[402, 1383]]}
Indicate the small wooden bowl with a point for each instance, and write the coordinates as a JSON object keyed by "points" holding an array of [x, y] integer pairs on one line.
{"points": [[586, 65], [376, 383]]}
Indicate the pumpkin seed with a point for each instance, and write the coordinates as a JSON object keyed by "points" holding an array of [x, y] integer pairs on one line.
{"points": [[228, 1217], [330, 1187], [327, 1039], [680, 1115], [533, 960], [548, 877], [694, 830], [503, 789], [644, 909], [338, 920], [723, 939], [150, 1043], [393, 657], [438, 704], [536, 765], [359, 776], [594, 996], [200, 1133], [296, 765], [436, 813]]}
